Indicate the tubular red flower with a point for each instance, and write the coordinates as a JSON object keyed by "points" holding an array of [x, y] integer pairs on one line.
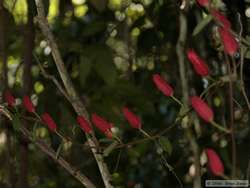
{"points": [[84, 124], [230, 44], [133, 119], [28, 105], [47, 119], [101, 123], [162, 85], [198, 63], [109, 134], [202, 109], [203, 3], [219, 17], [215, 164], [9, 98]]}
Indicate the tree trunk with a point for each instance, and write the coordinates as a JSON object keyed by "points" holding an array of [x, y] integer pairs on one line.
{"points": [[27, 86]]}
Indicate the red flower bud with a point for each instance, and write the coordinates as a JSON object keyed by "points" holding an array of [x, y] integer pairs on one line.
{"points": [[84, 124], [108, 134], [203, 3], [202, 109], [162, 85], [199, 64], [215, 164], [219, 17], [102, 124], [47, 119], [28, 105], [229, 42], [9, 98], [133, 119]]}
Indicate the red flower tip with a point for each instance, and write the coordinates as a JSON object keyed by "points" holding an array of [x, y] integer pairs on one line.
{"points": [[162, 85], [202, 109], [198, 63], [9, 98], [102, 124], [215, 164], [84, 124], [133, 119], [203, 3], [28, 105], [219, 17], [109, 134], [47, 119], [229, 42]]}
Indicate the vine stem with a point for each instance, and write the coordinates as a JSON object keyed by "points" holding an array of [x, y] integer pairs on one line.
{"points": [[177, 100], [231, 112], [180, 51], [220, 127], [164, 160]]}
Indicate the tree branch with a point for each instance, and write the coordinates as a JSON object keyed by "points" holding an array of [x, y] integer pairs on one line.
{"points": [[180, 50], [73, 96], [50, 152]]}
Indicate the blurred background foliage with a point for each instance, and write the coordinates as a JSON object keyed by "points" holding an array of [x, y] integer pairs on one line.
{"points": [[111, 48]]}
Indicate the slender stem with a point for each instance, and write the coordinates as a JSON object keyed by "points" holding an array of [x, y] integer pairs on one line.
{"points": [[117, 139], [180, 50], [208, 88], [146, 134], [176, 100], [231, 111], [38, 116], [165, 162], [220, 127], [84, 180]]}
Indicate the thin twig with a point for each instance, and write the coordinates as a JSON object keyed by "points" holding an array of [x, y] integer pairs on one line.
{"points": [[50, 152], [242, 53], [50, 77], [231, 111]]}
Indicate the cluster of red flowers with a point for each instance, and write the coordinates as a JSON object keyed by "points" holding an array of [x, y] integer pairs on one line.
{"points": [[102, 124], [229, 42], [29, 106], [200, 106], [201, 68]]}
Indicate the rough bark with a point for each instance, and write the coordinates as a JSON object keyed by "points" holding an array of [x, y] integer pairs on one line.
{"points": [[27, 85], [4, 78]]}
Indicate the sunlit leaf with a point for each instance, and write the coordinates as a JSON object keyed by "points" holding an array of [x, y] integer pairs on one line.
{"points": [[202, 24], [166, 145], [84, 69], [16, 122]]}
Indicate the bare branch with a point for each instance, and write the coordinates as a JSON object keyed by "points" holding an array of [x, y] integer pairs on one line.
{"points": [[73, 96], [50, 77], [50, 152]]}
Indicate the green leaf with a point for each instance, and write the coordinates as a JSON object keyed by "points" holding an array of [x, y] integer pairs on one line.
{"points": [[93, 28], [166, 145], [99, 5], [84, 69], [203, 23], [105, 67], [59, 149], [110, 148], [34, 129], [16, 122]]}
